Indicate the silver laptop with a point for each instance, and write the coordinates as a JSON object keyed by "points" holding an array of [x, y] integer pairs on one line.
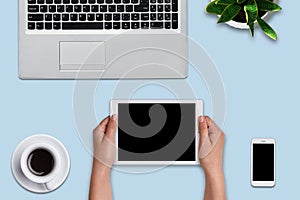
{"points": [[102, 39]]}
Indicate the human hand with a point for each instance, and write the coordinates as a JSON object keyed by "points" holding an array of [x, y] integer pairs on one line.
{"points": [[104, 141], [211, 146]]}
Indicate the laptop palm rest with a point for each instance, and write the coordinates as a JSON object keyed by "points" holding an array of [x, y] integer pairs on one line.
{"points": [[82, 56]]}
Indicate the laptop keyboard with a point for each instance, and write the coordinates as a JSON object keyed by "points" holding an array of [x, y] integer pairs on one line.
{"points": [[102, 14]]}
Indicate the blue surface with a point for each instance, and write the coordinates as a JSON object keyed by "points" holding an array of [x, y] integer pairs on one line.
{"points": [[262, 86]]}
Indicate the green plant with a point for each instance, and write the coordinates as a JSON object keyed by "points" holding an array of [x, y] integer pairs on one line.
{"points": [[251, 9]]}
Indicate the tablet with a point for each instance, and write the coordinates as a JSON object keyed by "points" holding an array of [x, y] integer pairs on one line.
{"points": [[157, 132]]}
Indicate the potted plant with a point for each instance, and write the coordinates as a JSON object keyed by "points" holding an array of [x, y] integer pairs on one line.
{"points": [[245, 13]]}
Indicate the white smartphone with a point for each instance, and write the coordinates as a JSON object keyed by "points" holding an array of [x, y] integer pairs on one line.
{"points": [[263, 163]]}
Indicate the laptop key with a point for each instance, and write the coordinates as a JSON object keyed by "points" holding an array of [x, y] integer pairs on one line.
{"points": [[108, 25], [74, 17], [56, 17], [69, 8], [135, 25], [65, 17], [116, 25], [108, 17], [160, 16], [175, 21], [153, 8], [40, 26], [175, 5], [82, 17], [31, 25], [60, 8], [160, 8], [52, 8], [31, 1], [167, 16], [157, 25], [77, 8], [33, 9], [103, 8], [48, 25], [120, 8], [99, 17], [95, 8], [145, 25], [82, 25], [135, 16], [126, 25], [116, 17], [35, 17], [168, 25], [44, 8], [167, 8], [91, 17], [129, 8], [86, 8], [48, 17], [125, 17], [56, 26], [112, 8], [145, 17]]}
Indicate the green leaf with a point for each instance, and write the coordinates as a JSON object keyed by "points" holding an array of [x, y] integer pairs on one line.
{"points": [[267, 29], [241, 1], [229, 13], [251, 11], [266, 5], [225, 2], [251, 28], [215, 8]]}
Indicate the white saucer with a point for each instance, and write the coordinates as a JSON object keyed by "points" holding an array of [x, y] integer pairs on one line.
{"points": [[23, 180]]}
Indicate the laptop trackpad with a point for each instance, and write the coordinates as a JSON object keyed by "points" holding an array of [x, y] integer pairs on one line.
{"points": [[82, 56]]}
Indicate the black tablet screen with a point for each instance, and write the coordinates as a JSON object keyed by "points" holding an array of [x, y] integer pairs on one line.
{"points": [[156, 132]]}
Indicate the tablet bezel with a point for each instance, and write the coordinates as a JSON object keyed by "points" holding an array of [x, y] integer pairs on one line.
{"points": [[198, 112]]}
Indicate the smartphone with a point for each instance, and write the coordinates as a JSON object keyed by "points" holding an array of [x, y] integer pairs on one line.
{"points": [[263, 163]]}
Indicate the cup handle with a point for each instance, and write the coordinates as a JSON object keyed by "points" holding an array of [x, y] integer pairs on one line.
{"points": [[50, 185]]}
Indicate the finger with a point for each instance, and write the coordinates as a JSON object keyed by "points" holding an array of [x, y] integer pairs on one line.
{"points": [[209, 121], [111, 128], [203, 130], [102, 125]]}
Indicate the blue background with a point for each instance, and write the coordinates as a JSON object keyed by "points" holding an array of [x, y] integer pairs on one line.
{"points": [[262, 87]]}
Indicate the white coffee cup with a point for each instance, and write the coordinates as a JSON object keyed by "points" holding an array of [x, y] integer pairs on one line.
{"points": [[46, 180]]}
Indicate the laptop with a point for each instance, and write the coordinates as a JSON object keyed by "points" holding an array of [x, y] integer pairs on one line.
{"points": [[157, 132], [102, 39]]}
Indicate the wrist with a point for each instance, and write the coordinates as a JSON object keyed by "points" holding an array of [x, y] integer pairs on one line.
{"points": [[214, 173], [101, 168]]}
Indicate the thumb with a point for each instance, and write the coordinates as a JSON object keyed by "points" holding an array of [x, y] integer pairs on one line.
{"points": [[203, 130], [111, 128]]}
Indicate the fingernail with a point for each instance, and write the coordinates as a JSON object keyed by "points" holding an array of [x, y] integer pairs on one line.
{"points": [[114, 117], [201, 119]]}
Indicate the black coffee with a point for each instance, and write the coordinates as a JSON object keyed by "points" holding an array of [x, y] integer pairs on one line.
{"points": [[40, 162]]}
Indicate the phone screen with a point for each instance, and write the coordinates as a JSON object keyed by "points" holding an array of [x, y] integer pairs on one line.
{"points": [[263, 162]]}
